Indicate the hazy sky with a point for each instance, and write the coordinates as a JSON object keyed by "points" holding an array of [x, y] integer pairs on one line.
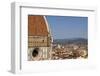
{"points": [[68, 26]]}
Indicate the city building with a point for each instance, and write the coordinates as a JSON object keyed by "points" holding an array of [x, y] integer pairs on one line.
{"points": [[39, 38]]}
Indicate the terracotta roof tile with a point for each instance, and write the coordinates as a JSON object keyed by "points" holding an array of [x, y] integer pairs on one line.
{"points": [[37, 26]]}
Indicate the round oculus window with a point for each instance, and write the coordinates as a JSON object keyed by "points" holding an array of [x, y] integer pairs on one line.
{"points": [[35, 52]]}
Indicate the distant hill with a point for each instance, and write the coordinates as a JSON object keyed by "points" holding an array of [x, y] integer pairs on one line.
{"points": [[71, 41]]}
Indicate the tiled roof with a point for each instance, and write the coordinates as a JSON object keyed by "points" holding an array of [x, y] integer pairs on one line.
{"points": [[37, 26]]}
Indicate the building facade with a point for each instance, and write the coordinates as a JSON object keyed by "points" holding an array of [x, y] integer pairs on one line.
{"points": [[39, 38]]}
